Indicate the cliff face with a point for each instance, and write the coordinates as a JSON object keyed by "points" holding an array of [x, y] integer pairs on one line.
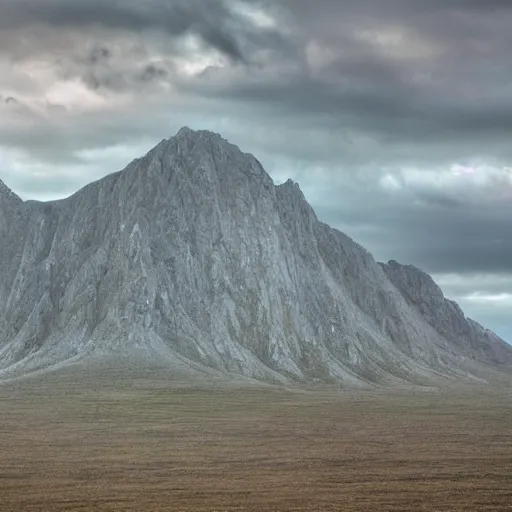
{"points": [[192, 256], [445, 316]]}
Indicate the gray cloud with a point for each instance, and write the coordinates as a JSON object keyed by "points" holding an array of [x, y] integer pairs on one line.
{"points": [[214, 22], [444, 88]]}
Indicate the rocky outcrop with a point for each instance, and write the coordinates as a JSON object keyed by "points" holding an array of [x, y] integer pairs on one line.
{"points": [[464, 335], [192, 256]]}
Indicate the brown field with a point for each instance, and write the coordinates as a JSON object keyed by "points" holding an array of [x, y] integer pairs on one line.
{"points": [[147, 441]]}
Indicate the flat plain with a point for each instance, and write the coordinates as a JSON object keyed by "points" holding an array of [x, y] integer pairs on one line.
{"points": [[150, 440]]}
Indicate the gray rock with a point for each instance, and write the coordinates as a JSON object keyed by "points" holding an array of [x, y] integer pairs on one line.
{"points": [[192, 257], [445, 316]]}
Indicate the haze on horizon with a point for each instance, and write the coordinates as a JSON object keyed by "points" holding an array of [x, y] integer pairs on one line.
{"points": [[394, 116]]}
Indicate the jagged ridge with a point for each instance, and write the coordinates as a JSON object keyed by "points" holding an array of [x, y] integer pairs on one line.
{"points": [[191, 256]]}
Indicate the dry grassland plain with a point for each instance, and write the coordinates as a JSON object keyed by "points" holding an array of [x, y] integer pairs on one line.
{"points": [[147, 440]]}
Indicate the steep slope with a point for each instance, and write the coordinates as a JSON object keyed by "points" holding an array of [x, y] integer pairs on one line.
{"points": [[191, 256], [465, 335]]}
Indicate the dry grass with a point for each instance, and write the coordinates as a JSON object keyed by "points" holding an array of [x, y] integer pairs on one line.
{"points": [[110, 441]]}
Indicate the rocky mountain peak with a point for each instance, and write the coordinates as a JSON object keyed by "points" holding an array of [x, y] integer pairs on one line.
{"points": [[291, 185], [194, 258], [200, 140], [7, 193], [188, 133]]}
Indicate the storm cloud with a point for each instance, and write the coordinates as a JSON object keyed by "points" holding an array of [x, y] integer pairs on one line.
{"points": [[393, 115], [215, 24]]}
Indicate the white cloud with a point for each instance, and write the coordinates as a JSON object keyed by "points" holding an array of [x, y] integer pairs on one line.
{"points": [[259, 17], [501, 298], [472, 183], [390, 182]]}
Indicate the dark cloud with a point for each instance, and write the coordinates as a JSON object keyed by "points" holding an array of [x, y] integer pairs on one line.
{"points": [[98, 54], [8, 100], [214, 22], [437, 237], [427, 83], [152, 72]]}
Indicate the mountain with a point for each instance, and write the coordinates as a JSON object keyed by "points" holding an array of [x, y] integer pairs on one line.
{"points": [[192, 257]]}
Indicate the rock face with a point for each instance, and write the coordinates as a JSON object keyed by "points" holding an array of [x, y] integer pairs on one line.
{"points": [[192, 256]]}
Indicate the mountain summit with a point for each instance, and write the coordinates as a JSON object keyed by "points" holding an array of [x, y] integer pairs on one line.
{"points": [[192, 257]]}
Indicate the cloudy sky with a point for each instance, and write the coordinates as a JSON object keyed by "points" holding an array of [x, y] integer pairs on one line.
{"points": [[395, 116]]}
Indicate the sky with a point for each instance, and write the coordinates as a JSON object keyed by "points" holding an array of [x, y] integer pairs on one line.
{"points": [[394, 116]]}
